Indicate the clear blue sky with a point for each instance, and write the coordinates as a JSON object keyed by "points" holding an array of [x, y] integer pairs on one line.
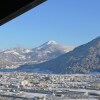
{"points": [[69, 22]]}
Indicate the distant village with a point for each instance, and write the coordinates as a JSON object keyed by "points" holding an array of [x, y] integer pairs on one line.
{"points": [[30, 86]]}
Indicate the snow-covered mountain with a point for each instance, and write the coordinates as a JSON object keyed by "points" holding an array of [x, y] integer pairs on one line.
{"points": [[12, 58], [83, 59]]}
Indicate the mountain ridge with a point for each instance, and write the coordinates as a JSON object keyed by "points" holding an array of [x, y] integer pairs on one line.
{"points": [[14, 57], [83, 59]]}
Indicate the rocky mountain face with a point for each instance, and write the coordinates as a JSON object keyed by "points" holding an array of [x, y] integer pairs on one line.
{"points": [[83, 59], [13, 58]]}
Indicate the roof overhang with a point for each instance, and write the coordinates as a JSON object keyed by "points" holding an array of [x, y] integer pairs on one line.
{"points": [[10, 9]]}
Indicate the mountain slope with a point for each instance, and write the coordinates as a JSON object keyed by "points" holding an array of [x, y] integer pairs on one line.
{"points": [[49, 50], [83, 59], [13, 58]]}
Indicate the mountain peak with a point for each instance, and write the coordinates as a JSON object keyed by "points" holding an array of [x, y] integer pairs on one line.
{"points": [[51, 42], [47, 44]]}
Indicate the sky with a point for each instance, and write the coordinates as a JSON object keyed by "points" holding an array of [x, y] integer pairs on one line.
{"points": [[68, 22]]}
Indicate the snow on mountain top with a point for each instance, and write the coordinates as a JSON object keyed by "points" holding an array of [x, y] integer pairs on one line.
{"points": [[27, 51], [12, 51], [51, 42]]}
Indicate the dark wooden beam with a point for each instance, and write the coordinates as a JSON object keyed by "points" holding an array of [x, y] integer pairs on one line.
{"points": [[10, 9]]}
